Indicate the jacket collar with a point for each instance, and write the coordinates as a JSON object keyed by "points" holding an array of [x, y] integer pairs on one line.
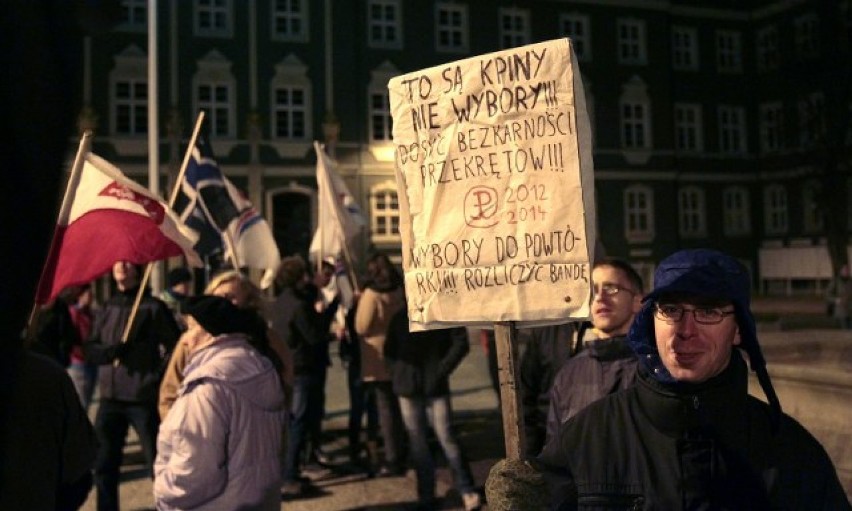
{"points": [[715, 408]]}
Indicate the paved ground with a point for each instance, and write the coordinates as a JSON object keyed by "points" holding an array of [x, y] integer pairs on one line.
{"points": [[477, 420]]}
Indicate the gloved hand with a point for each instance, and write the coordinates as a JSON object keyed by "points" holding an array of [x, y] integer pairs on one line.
{"points": [[122, 349], [516, 485]]}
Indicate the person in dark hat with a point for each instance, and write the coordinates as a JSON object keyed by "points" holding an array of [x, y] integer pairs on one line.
{"points": [[178, 289], [218, 447], [688, 435]]}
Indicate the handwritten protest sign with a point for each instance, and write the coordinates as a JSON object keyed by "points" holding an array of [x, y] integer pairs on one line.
{"points": [[494, 169]]}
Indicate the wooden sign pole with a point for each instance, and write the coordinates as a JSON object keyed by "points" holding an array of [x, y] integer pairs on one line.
{"points": [[506, 341]]}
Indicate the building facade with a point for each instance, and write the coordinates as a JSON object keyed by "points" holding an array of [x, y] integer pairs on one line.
{"points": [[712, 121]]}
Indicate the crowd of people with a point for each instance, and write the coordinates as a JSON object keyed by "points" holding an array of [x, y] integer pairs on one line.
{"points": [[643, 406]]}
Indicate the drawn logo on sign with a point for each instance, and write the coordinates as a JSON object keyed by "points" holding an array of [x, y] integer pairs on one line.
{"points": [[480, 207]]}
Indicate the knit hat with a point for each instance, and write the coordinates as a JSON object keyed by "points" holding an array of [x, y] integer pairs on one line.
{"points": [[219, 316], [705, 273], [177, 276]]}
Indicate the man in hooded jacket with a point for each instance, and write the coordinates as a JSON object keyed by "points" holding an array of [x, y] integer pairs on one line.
{"points": [[688, 435]]}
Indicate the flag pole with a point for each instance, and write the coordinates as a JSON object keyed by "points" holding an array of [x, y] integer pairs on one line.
{"points": [[65, 208], [143, 282], [186, 157]]}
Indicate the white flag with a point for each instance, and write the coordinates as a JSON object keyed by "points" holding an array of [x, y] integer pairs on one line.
{"points": [[340, 217]]}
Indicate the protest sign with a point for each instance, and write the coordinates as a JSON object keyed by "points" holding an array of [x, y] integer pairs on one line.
{"points": [[495, 178]]}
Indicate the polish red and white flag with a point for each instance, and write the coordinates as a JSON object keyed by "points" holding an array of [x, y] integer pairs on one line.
{"points": [[111, 218]]}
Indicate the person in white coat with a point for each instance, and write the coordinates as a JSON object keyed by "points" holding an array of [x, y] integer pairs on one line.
{"points": [[218, 447]]}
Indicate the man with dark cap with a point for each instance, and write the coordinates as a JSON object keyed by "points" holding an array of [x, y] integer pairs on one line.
{"points": [[688, 435], [178, 289]]}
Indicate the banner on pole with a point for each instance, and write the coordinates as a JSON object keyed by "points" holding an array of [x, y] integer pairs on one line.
{"points": [[496, 188]]}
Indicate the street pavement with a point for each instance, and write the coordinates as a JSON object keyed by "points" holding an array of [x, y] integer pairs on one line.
{"points": [[477, 422]]}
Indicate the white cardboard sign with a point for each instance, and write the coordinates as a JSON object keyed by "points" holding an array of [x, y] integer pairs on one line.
{"points": [[496, 188]]}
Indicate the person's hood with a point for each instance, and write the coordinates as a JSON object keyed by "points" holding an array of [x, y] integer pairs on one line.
{"points": [[230, 359], [708, 273]]}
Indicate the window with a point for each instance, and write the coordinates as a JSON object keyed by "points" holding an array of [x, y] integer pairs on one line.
{"points": [[811, 120], [634, 122], [812, 219], [451, 32], [771, 117], [576, 27], [638, 213], [728, 52], [732, 130], [135, 15], [215, 99], [379, 120], [384, 212], [635, 115], [807, 36], [685, 48], [689, 135], [290, 20], [631, 42], [291, 100], [735, 210], [691, 211], [130, 107], [290, 112], [514, 27], [213, 18], [775, 212], [384, 24], [768, 56], [129, 93], [214, 89], [381, 128]]}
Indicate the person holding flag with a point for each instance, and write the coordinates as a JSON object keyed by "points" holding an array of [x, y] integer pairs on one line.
{"points": [[107, 221], [129, 375]]}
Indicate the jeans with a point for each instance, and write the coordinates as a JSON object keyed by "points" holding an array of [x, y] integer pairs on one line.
{"points": [[303, 413], [111, 425], [84, 376], [389, 421], [315, 409], [360, 403], [417, 414]]}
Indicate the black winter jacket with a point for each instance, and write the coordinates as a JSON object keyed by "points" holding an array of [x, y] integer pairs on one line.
{"points": [[603, 367], [421, 362], [688, 446], [142, 359], [299, 325]]}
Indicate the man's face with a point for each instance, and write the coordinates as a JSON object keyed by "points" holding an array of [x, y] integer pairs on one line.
{"points": [[691, 351], [612, 314], [125, 275]]}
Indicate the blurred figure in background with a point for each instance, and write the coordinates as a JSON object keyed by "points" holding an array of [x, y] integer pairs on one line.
{"points": [[383, 296], [420, 365], [83, 373], [178, 289]]}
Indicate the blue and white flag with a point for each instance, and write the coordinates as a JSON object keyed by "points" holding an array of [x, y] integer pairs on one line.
{"points": [[224, 217]]}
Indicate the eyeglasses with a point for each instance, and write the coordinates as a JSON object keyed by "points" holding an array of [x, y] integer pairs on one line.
{"points": [[611, 290], [703, 315]]}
